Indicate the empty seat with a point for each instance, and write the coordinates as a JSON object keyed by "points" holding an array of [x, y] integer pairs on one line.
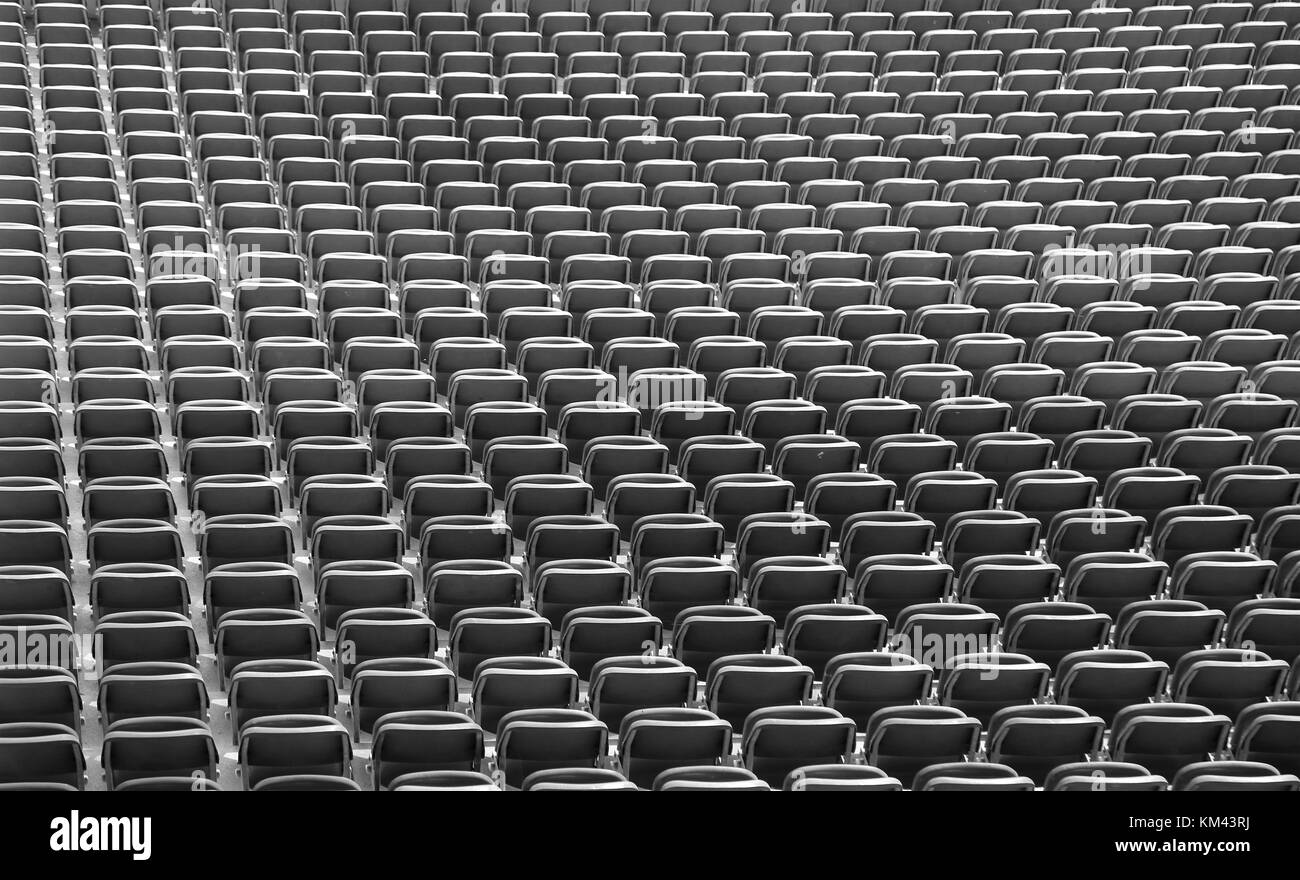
{"points": [[903, 740], [1166, 737]]}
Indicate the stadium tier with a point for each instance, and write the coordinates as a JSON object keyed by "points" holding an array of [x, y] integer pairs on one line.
{"points": [[865, 395]]}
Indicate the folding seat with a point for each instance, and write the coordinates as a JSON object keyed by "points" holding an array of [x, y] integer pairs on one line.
{"points": [[1268, 624], [277, 745], [780, 583], [594, 633], [402, 685], [630, 355], [739, 684], [189, 320], [317, 455], [1000, 582], [347, 586], [444, 780], [802, 458], [26, 352], [669, 585], [1102, 454], [30, 420], [501, 391], [1167, 629], [273, 685], [1146, 491], [264, 634], [805, 354], [581, 422], [1233, 776], [981, 684], [35, 499], [732, 495], [871, 420], [1043, 494], [1003, 456], [505, 684], [655, 740], [151, 747], [520, 323], [1167, 737], [925, 383], [488, 419], [1201, 380], [23, 456], [1243, 347], [963, 776], [356, 537], [1107, 581], [819, 632], [960, 418], [560, 537], [1276, 535], [901, 740], [770, 422], [375, 633], [134, 540], [981, 353], [505, 458], [1050, 631], [891, 582], [686, 325], [43, 694], [1070, 350], [779, 740], [1245, 263], [870, 534], [719, 778], [1180, 530], [1102, 682], [1157, 348], [136, 690], [938, 495], [980, 533], [245, 585], [20, 290], [835, 386], [539, 355], [704, 633], [1227, 680], [453, 585], [1103, 776], [454, 494], [109, 498], [839, 777], [1029, 321], [557, 388], [1252, 490], [1221, 580], [1276, 317], [414, 742], [560, 572], [531, 497], [600, 326], [751, 298], [609, 457], [1250, 413], [144, 636], [1262, 734], [199, 350], [36, 589], [675, 422]]}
